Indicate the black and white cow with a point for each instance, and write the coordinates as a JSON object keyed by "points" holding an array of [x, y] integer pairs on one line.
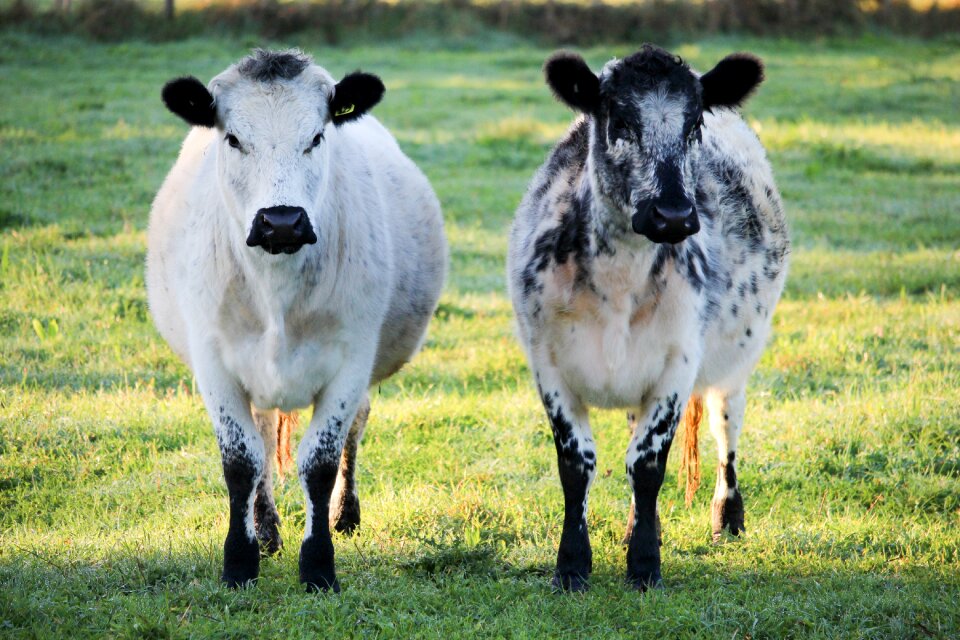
{"points": [[295, 257], [644, 265]]}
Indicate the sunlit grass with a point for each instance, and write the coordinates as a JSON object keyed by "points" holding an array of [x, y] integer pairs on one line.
{"points": [[112, 505], [936, 142]]}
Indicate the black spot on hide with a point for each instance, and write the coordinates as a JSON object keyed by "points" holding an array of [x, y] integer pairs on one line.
{"points": [[569, 152], [773, 260], [568, 240], [566, 444], [664, 419], [729, 470], [727, 512], [690, 262]]}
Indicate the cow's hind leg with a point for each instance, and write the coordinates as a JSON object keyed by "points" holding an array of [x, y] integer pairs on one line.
{"points": [[266, 520], [726, 421], [345, 503]]}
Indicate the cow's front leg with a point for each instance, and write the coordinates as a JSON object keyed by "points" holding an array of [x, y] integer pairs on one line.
{"points": [[646, 465], [318, 459], [577, 462], [242, 454], [726, 421], [631, 511]]}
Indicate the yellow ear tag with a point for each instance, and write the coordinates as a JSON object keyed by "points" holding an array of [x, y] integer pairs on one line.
{"points": [[342, 111]]}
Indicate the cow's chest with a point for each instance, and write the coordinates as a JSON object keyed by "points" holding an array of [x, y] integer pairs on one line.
{"points": [[615, 338], [281, 360]]}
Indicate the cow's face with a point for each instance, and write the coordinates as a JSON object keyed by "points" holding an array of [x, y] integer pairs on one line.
{"points": [[646, 112], [272, 112]]}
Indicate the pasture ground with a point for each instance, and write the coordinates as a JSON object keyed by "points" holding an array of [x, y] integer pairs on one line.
{"points": [[112, 503]]}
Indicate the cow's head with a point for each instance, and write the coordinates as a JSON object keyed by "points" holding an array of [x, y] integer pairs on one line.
{"points": [[271, 111], [645, 114]]}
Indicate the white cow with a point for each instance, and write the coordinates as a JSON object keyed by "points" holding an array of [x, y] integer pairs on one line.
{"points": [[295, 257]]}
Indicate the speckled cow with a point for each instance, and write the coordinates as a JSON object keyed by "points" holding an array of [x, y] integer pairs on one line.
{"points": [[644, 265], [295, 257]]}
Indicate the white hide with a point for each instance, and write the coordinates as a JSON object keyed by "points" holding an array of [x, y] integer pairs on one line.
{"points": [[282, 328]]}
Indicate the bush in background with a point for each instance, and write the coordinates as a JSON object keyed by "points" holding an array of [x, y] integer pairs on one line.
{"points": [[550, 22]]}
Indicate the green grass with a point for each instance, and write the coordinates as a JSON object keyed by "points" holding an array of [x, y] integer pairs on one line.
{"points": [[112, 505]]}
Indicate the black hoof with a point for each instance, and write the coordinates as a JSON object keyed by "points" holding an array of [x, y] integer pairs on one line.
{"points": [[317, 572], [643, 583], [570, 582], [241, 561], [321, 586], [728, 516], [235, 581], [268, 533], [347, 518], [239, 575]]}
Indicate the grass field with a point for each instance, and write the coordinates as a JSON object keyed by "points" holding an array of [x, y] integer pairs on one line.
{"points": [[112, 504]]}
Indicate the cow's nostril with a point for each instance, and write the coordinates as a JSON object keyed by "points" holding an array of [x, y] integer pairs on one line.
{"points": [[266, 224]]}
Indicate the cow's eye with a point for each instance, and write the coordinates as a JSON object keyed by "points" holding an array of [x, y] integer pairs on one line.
{"points": [[695, 131], [232, 141], [619, 129], [317, 139]]}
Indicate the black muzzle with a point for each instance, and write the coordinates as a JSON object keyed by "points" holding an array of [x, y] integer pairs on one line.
{"points": [[281, 230], [665, 223]]}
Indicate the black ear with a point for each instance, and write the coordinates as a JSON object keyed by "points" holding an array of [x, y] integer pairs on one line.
{"points": [[732, 81], [572, 82], [188, 98], [354, 96]]}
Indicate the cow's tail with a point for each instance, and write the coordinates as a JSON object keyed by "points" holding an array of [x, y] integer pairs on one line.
{"points": [[285, 426], [690, 456]]}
